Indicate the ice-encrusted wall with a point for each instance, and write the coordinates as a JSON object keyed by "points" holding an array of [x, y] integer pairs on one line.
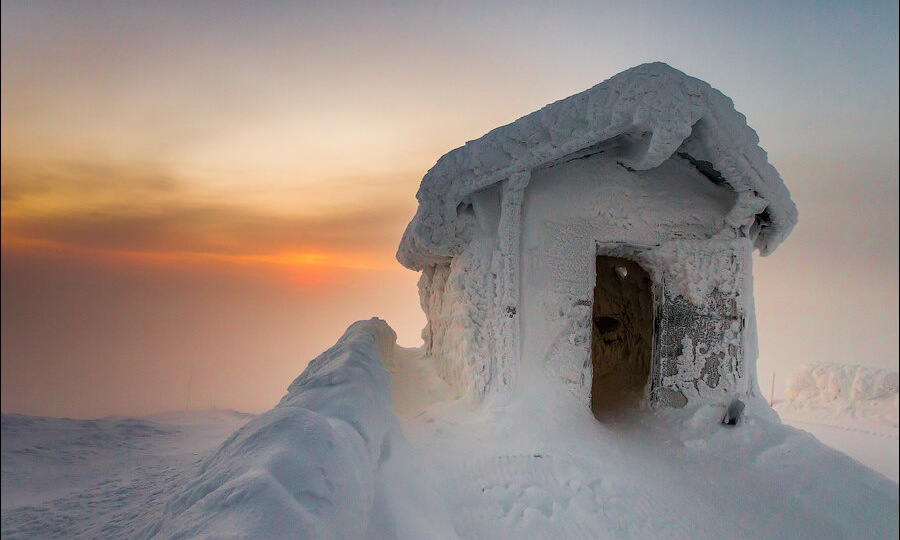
{"points": [[461, 301], [519, 295], [472, 301], [672, 221], [702, 312], [508, 227]]}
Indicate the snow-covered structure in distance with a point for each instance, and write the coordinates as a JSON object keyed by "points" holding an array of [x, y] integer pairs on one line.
{"points": [[603, 241]]}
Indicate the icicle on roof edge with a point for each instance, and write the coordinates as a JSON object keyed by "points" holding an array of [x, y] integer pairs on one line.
{"points": [[656, 99]]}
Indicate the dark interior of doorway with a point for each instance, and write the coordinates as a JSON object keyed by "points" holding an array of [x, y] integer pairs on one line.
{"points": [[622, 336]]}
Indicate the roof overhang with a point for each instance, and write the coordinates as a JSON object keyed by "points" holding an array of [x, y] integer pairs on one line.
{"points": [[658, 107]]}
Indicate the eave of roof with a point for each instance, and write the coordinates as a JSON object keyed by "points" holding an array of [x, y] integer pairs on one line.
{"points": [[678, 111]]}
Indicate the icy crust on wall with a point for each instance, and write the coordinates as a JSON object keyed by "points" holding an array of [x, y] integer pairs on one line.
{"points": [[694, 269], [461, 302], [671, 220], [703, 307], [663, 111], [308, 467], [706, 304], [700, 355]]}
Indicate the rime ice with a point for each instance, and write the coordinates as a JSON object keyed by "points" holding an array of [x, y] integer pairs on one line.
{"points": [[651, 166]]}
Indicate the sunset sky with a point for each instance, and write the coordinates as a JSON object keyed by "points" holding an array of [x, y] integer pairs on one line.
{"points": [[198, 199]]}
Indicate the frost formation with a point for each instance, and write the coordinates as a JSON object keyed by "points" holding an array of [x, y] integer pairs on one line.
{"points": [[651, 165]]}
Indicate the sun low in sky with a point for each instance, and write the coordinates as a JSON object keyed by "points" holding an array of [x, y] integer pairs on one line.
{"points": [[212, 192]]}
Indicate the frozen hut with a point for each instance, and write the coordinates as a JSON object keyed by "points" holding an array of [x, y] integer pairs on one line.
{"points": [[603, 243]]}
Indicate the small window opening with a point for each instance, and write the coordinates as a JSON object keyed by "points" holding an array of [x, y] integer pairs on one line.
{"points": [[465, 208]]}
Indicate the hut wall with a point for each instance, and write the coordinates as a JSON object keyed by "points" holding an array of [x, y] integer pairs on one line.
{"points": [[576, 210], [461, 300]]}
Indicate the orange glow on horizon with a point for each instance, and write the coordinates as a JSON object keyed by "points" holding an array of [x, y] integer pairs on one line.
{"points": [[306, 267]]}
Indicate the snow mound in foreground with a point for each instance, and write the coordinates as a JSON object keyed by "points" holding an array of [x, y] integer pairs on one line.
{"points": [[312, 466], [331, 461], [861, 393]]}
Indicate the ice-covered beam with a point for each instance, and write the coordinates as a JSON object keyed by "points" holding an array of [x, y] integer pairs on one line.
{"points": [[510, 233]]}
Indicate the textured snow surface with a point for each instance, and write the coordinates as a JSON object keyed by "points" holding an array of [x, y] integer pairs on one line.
{"points": [[540, 466], [656, 109], [101, 479], [370, 442]]}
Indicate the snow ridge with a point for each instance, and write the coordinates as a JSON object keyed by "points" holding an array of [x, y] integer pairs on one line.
{"points": [[830, 382], [307, 468], [835, 391]]}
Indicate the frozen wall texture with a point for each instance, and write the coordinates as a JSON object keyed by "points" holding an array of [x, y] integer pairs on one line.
{"points": [[460, 301], [701, 317], [662, 218]]}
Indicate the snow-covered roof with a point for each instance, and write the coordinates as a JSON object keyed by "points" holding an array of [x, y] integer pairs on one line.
{"points": [[679, 113]]}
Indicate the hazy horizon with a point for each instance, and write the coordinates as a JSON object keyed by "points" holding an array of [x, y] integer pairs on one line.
{"points": [[198, 199]]}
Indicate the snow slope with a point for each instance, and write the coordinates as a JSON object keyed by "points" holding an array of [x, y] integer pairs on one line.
{"points": [[95, 479], [326, 462], [370, 443]]}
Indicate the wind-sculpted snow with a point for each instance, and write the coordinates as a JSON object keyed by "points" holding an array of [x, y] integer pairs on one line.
{"points": [[855, 409], [830, 382], [307, 468], [104, 479], [659, 110], [835, 392]]}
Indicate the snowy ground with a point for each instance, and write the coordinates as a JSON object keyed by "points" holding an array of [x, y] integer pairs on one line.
{"points": [[541, 467], [850, 408], [876, 447], [104, 478], [330, 461]]}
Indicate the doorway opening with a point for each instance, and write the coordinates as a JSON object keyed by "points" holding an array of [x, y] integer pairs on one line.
{"points": [[622, 335]]}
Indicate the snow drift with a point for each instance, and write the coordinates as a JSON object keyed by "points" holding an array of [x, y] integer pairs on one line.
{"points": [[103, 479], [830, 382], [309, 468], [854, 409], [330, 462], [864, 394]]}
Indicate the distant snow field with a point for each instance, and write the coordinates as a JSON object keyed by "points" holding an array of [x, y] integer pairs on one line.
{"points": [[370, 443], [104, 478], [851, 408]]}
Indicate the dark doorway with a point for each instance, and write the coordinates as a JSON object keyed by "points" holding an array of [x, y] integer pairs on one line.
{"points": [[621, 343]]}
